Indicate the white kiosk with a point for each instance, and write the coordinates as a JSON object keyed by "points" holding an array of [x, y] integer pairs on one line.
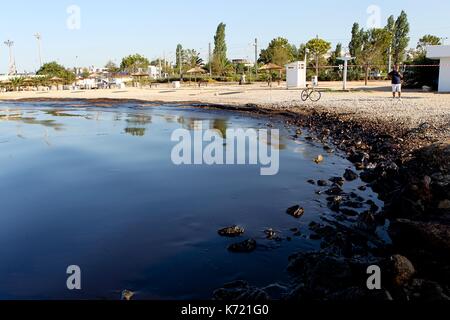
{"points": [[442, 53], [296, 75]]}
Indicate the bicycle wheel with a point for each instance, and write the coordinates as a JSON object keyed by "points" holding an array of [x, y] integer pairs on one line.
{"points": [[305, 95], [315, 96]]}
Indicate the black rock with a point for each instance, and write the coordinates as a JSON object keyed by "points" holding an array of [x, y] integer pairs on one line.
{"points": [[335, 191], [312, 182], [231, 232], [323, 183], [350, 175], [338, 181], [296, 211], [348, 212], [246, 246]]}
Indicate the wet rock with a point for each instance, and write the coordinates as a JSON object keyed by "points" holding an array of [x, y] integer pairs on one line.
{"points": [[335, 191], [127, 295], [296, 211], [362, 188], [352, 204], [400, 270], [358, 157], [349, 212], [360, 166], [445, 204], [432, 235], [299, 132], [338, 181], [426, 291], [360, 294], [246, 246], [271, 234], [312, 182], [231, 232], [321, 272], [323, 183], [240, 291], [328, 149], [349, 175], [319, 159], [276, 291]]}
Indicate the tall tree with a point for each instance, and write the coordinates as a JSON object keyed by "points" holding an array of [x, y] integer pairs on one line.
{"points": [[180, 57], [401, 38], [375, 44], [317, 48], [134, 63], [220, 60], [279, 51], [355, 45]]}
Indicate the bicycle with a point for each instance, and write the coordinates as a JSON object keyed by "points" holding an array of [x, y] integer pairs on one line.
{"points": [[311, 94]]}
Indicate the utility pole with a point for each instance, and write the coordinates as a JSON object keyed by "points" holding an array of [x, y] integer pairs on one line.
{"points": [[180, 61], [256, 58], [210, 59], [390, 59], [39, 38], [12, 64]]}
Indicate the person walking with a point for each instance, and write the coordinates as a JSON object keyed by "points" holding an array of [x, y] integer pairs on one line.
{"points": [[396, 78]]}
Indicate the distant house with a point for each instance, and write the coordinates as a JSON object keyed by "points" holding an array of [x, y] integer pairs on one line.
{"points": [[245, 62], [443, 54]]}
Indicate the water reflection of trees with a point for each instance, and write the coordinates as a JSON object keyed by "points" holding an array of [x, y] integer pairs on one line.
{"points": [[136, 132], [137, 124], [18, 117]]}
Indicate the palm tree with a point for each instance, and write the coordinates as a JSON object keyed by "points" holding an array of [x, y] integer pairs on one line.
{"points": [[16, 83]]}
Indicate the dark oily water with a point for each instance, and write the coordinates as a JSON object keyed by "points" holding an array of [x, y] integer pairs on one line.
{"points": [[95, 187]]}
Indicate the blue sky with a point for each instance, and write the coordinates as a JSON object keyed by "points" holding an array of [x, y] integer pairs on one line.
{"points": [[113, 29]]}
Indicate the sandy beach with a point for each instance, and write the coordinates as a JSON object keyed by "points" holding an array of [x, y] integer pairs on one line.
{"points": [[373, 102]]}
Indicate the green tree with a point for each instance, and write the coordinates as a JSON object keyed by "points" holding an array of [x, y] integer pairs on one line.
{"points": [[180, 57], [427, 40], [375, 44], [193, 59], [53, 69], [112, 67], [356, 44], [317, 48], [220, 60], [134, 63], [401, 38], [279, 51]]}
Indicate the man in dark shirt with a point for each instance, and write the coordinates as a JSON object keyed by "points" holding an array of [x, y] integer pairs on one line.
{"points": [[396, 78]]}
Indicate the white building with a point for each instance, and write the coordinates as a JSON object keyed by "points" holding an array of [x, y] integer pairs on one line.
{"points": [[442, 53], [296, 75]]}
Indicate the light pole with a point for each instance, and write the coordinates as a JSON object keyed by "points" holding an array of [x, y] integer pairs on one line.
{"points": [[12, 65], [346, 59], [38, 39]]}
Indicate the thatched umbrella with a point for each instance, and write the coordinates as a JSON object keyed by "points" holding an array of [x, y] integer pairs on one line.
{"points": [[140, 76], [195, 71], [56, 80], [271, 67]]}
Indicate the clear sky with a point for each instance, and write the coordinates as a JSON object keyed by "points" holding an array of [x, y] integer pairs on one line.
{"points": [[112, 29]]}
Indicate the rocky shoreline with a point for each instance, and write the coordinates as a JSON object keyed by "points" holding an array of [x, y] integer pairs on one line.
{"points": [[409, 169]]}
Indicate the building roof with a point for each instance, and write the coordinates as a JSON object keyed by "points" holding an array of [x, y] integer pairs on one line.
{"points": [[437, 52]]}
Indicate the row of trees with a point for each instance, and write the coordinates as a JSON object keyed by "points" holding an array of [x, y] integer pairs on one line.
{"points": [[373, 49]]}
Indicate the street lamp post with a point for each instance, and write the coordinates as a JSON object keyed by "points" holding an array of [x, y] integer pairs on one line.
{"points": [[346, 59], [39, 38], [12, 65]]}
